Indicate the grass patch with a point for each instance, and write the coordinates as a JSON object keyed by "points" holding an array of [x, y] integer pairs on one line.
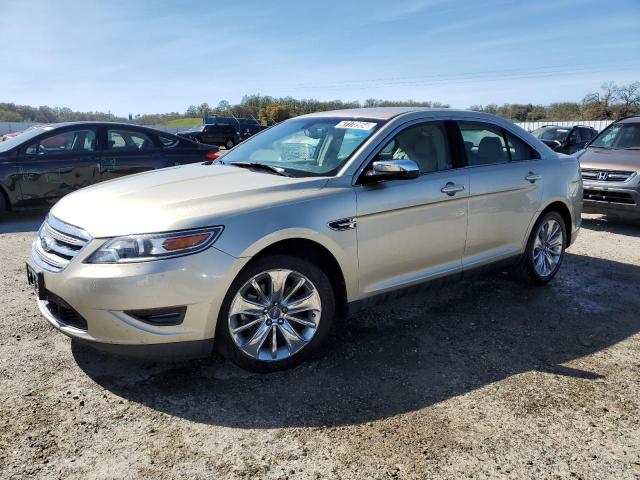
{"points": [[183, 122]]}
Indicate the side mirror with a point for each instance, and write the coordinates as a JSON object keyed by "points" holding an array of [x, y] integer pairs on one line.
{"points": [[393, 169]]}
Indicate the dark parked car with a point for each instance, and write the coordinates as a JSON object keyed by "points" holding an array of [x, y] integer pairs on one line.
{"points": [[221, 135], [565, 139], [43, 164]]}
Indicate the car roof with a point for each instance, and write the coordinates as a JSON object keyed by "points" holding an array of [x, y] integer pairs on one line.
{"points": [[98, 122], [630, 119], [387, 113]]}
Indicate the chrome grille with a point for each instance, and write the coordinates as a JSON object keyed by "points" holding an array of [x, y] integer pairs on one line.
{"points": [[606, 175], [57, 243]]}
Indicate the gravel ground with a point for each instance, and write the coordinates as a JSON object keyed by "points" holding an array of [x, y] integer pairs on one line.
{"points": [[481, 379]]}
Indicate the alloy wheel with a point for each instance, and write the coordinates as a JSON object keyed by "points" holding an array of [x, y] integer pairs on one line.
{"points": [[274, 315], [547, 248]]}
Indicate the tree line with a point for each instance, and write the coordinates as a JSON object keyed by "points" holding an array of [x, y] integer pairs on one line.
{"points": [[268, 109], [610, 102]]}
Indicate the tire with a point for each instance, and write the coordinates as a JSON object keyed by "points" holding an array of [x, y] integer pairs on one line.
{"points": [[3, 205], [542, 273], [248, 339], [229, 144]]}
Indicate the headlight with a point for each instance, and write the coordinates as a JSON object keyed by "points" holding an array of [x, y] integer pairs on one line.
{"points": [[155, 246]]}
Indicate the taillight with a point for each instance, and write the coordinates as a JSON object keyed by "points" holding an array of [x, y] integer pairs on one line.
{"points": [[212, 154]]}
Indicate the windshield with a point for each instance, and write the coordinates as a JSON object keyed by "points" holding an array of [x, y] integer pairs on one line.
{"points": [[23, 137], [546, 133], [619, 136], [305, 146]]}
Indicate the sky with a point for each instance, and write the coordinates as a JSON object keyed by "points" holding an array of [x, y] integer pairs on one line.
{"points": [[160, 56]]}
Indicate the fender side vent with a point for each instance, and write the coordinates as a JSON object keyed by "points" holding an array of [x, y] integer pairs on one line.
{"points": [[343, 224]]}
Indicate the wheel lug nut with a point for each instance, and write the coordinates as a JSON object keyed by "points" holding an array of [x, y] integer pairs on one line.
{"points": [[285, 310], [280, 321], [268, 322], [265, 310]]}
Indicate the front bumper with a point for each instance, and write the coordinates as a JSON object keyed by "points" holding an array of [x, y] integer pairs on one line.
{"points": [[99, 297], [612, 197]]}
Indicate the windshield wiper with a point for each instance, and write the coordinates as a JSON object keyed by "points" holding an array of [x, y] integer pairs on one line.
{"points": [[263, 166], [631, 148]]}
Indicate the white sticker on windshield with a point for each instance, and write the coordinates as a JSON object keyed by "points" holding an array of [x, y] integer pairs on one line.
{"points": [[355, 125]]}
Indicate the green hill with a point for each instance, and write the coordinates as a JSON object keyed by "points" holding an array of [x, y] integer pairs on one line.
{"points": [[183, 122]]}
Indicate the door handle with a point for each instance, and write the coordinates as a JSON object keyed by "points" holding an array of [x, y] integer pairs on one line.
{"points": [[532, 177], [452, 188]]}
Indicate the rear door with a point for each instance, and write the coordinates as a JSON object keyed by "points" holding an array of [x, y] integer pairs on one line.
{"points": [[505, 192], [215, 134], [128, 151], [176, 151], [57, 164]]}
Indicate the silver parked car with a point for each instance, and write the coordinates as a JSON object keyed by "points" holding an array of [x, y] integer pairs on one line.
{"points": [[304, 222]]}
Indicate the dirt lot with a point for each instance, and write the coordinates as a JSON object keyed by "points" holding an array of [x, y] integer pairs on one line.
{"points": [[483, 379]]}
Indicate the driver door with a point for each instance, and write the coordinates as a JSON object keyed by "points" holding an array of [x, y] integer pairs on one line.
{"points": [[410, 231], [57, 165]]}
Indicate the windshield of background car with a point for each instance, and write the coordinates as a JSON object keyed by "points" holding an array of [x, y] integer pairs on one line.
{"points": [[559, 134], [306, 146], [23, 137], [619, 136]]}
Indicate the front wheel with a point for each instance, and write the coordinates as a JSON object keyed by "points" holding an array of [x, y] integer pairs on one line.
{"points": [[229, 144], [276, 314], [545, 249]]}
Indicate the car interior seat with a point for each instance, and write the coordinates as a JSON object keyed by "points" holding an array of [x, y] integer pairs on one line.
{"points": [[491, 150]]}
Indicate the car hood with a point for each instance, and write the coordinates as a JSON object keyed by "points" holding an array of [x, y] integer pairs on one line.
{"points": [[603, 159], [177, 198]]}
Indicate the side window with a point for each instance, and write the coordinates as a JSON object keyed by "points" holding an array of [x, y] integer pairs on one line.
{"points": [[587, 134], [574, 136], [74, 141], [128, 140], [483, 143], [31, 149], [519, 150], [426, 144], [167, 141]]}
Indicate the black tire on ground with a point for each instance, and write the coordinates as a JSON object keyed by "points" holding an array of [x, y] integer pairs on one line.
{"points": [[225, 344], [525, 269], [3, 204], [229, 144]]}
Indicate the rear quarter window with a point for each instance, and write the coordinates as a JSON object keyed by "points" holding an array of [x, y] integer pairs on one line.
{"points": [[519, 149], [167, 141]]}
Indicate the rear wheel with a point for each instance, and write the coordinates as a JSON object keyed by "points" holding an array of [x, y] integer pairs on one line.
{"points": [[3, 205], [545, 249], [276, 314]]}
